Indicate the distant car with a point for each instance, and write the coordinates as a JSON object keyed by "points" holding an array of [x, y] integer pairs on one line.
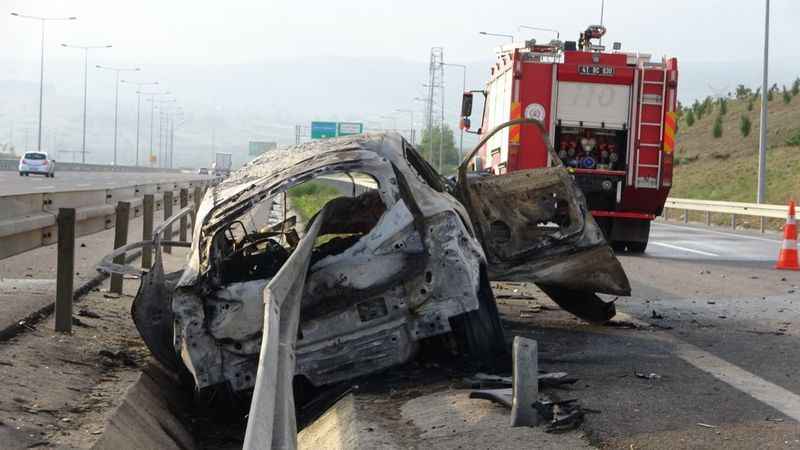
{"points": [[37, 162], [202, 171]]}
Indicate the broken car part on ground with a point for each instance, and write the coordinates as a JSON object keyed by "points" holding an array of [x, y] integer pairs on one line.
{"points": [[370, 280]]}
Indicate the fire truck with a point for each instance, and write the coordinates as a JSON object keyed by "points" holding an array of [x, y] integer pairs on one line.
{"points": [[608, 116]]}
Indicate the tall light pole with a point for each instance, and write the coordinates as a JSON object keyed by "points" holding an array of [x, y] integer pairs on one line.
{"points": [[510, 36], [526, 27], [762, 139], [410, 124], [161, 132], [393, 119], [138, 107], [463, 89], [41, 64], [152, 101], [116, 99], [85, 49]]}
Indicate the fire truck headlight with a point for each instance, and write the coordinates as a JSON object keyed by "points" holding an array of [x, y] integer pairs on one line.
{"points": [[607, 185]]}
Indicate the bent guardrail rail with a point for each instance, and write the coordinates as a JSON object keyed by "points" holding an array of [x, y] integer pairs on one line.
{"points": [[28, 221], [734, 209]]}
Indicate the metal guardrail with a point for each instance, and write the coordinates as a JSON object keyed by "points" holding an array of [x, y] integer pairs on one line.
{"points": [[28, 221], [734, 209], [13, 165]]}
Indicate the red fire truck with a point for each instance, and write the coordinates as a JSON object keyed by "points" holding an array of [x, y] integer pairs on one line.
{"points": [[609, 116]]}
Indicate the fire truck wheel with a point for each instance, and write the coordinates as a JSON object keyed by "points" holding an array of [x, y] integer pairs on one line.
{"points": [[629, 246], [637, 247]]}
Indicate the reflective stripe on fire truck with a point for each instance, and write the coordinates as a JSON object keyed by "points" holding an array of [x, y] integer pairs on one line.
{"points": [[514, 131], [669, 131]]}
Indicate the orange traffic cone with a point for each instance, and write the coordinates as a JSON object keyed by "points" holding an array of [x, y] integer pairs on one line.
{"points": [[787, 259]]}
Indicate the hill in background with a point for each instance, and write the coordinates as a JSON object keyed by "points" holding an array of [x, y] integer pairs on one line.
{"points": [[726, 167]]}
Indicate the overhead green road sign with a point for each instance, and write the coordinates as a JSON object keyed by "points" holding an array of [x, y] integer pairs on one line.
{"points": [[348, 128], [322, 130]]}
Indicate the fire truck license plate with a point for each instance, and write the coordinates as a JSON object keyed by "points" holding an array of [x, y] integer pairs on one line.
{"points": [[604, 71]]}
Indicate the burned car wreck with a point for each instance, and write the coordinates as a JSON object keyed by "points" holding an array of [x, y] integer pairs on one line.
{"points": [[395, 262]]}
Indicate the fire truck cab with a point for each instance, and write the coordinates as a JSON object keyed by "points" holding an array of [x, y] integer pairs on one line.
{"points": [[609, 117]]}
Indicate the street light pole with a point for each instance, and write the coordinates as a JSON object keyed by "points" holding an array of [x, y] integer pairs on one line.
{"points": [[138, 108], [411, 123], [393, 119], [526, 27], [463, 89], [116, 99], [41, 65], [762, 140], [510, 36], [152, 101], [85, 49]]}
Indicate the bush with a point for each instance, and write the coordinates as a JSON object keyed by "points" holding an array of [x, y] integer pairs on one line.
{"points": [[794, 139], [745, 125], [717, 130], [787, 97], [750, 105], [770, 95], [723, 107], [690, 118], [743, 92], [796, 87]]}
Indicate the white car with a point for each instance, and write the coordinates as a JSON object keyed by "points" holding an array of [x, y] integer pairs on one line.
{"points": [[37, 162]]}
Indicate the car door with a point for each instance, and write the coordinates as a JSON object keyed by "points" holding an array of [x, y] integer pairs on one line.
{"points": [[534, 226]]}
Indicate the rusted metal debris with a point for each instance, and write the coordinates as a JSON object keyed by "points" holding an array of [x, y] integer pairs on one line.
{"points": [[408, 259]]}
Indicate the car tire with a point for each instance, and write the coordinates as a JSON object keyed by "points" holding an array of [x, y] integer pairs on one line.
{"points": [[480, 332], [21, 174]]}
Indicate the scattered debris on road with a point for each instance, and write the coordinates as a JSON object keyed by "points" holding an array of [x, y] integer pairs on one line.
{"points": [[647, 376]]}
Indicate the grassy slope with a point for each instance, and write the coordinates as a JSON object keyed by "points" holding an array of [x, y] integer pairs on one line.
{"points": [[712, 177], [310, 197]]}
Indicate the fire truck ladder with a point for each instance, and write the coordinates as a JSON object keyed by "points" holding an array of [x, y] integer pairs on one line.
{"points": [[652, 101]]}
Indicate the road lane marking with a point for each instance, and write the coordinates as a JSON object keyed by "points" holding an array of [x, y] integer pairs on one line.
{"points": [[701, 230], [785, 401], [677, 247]]}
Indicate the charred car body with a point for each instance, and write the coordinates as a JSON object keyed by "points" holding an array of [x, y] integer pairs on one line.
{"points": [[402, 262]]}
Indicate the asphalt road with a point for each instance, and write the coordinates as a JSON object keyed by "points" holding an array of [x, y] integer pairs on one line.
{"points": [[716, 325], [12, 184]]}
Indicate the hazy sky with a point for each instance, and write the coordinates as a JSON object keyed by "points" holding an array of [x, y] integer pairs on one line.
{"points": [[255, 68], [236, 31]]}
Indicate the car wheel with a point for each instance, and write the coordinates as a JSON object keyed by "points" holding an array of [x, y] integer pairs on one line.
{"points": [[21, 174]]}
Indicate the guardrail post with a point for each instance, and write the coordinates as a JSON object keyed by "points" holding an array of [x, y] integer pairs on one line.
{"points": [[65, 270], [708, 218], [763, 224], [184, 198], [148, 203], [733, 221], [685, 216], [167, 214], [120, 239]]}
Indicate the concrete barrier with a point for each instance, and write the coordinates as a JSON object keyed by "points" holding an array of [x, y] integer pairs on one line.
{"points": [[144, 418]]}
